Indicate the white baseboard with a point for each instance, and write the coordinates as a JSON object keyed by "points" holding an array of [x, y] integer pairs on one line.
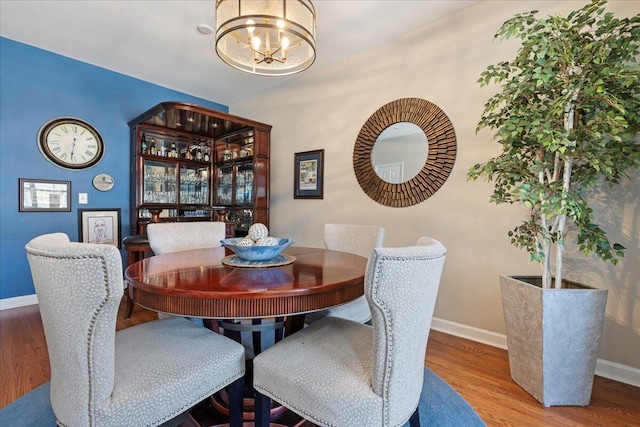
{"points": [[15, 302], [604, 368], [469, 332], [618, 372]]}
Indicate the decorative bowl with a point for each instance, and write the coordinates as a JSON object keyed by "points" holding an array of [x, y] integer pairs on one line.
{"points": [[255, 252]]}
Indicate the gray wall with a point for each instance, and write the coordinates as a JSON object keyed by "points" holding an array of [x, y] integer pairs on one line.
{"points": [[325, 108]]}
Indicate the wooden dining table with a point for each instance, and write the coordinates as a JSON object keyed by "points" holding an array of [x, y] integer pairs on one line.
{"points": [[197, 283]]}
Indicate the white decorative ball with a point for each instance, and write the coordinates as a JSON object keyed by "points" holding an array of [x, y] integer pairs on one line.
{"points": [[245, 242], [267, 241], [257, 231]]}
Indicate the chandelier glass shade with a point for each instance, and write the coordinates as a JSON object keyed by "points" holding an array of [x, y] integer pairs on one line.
{"points": [[266, 37]]}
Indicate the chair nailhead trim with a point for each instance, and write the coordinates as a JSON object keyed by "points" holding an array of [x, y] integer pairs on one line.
{"points": [[388, 367]]}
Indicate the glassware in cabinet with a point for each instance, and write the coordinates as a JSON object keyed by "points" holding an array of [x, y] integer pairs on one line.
{"points": [[159, 183], [244, 184], [224, 190], [194, 185]]}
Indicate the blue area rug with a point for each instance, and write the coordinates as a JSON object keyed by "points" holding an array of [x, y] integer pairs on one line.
{"points": [[440, 406], [31, 410]]}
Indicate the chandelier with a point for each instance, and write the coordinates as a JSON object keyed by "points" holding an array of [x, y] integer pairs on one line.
{"points": [[266, 37]]}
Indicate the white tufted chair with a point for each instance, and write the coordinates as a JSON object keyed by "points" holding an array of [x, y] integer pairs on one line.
{"points": [[167, 237], [341, 373], [141, 376], [356, 239]]}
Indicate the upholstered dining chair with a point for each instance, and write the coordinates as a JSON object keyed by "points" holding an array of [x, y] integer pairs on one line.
{"points": [[337, 372], [143, 375], [167, 237], [356, 239]]}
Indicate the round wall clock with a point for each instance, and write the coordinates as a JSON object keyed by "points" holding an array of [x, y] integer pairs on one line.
{"points": [[70, 143]]}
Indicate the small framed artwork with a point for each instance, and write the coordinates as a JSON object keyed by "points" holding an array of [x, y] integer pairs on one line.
{"points": [[308, 180], [99, 226], [43, 195]]}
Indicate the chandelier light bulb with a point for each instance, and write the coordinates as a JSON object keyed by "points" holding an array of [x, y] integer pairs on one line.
{"points": [[255, 42], [285, 42], [251, 26]]}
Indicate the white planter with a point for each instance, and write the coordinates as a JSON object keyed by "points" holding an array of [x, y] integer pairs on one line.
{"points": [[553, 337]]}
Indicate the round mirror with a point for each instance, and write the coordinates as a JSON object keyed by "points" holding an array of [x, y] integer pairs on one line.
{"points": [[400, 152], [441, 152]]}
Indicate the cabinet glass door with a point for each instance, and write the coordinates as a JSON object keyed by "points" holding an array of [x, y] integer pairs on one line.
{"points": [[224, 193], [159, 182], [194, 185], [244, 184]]}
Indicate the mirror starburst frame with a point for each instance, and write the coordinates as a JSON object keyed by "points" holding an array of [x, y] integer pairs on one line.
{"points": [[441, 156]]}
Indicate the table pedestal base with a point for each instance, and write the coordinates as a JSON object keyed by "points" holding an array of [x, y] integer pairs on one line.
{"points": [[218, 401], [256, 327]]}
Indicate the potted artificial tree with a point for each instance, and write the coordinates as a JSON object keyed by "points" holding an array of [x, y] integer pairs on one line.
{"points": [[567, 117]]}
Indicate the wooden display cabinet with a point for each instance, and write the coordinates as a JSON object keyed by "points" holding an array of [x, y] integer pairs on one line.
{"points": [[191, 163], [241, 179]]}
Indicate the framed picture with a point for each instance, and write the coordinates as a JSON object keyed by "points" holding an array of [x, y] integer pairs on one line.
{"points": [[308, 179], [40, 195], [99, 226]]}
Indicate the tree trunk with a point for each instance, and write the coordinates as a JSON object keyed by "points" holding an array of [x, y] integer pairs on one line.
{"points": [[566, 185]]}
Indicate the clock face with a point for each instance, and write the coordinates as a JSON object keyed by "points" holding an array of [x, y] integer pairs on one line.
{"points": [[70, 143]]}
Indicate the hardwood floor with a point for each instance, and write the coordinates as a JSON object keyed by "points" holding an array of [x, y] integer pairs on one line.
{"points": [[480, 373]]}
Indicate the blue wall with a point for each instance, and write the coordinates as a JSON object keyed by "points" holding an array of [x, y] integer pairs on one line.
{"points": [[36, 86]]}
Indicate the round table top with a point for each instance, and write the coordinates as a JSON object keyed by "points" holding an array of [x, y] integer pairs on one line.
{"points": [[195, 283]]}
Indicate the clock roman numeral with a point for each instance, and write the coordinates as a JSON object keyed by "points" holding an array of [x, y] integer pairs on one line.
{"points": [[88, 153], [56, 149], [64, 129], [89, 139], [54, 142], [74, 129], [63, 156]]}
